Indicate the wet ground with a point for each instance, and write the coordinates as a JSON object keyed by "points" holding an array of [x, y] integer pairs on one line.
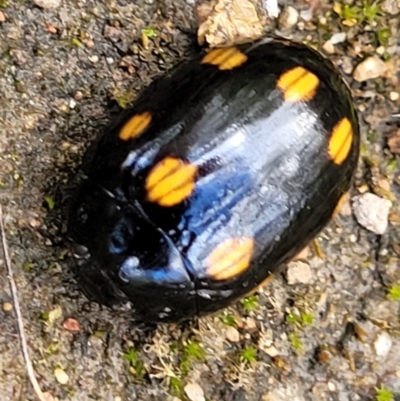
{"points": [[64, 72]]}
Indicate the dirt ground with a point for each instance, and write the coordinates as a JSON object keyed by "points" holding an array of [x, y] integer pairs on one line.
{"points": [[64, 72]]}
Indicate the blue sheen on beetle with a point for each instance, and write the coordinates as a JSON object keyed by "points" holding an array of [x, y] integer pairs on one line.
{"points": [[219, 173]]}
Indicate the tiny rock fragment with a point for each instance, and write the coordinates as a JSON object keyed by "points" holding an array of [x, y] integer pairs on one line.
{"points": [[271, 351], [61, 376], [394, 142], [303, 254], [48, 396], [7, 306], [288, 17], [47, 3], [19, 57], [393, 96], [232, 334], [383, 344], [112, 33], [298, 273], [337, 38], [71, 324], [344, 208], [372, 212], [328, 47], [224, 22], [271, 7], [2, 17], [391, 6], [94, 59], [370, 68], [50, 28], [194, 392]]}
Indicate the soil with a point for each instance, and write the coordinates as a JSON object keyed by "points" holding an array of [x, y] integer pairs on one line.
{"points": [[64, 73]]}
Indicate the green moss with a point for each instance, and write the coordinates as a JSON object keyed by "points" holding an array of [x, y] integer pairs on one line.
{"points": [[229, 320], [383, 36], [176, 386], [150, 32], [295, 341], [249, 355], [125, 99], [250, 303], [383, 394], [192, 352], [49, 202], [136, 364], [394, 292]]}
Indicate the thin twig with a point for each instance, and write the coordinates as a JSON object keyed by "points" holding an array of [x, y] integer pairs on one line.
{"points": [[21, 331]]}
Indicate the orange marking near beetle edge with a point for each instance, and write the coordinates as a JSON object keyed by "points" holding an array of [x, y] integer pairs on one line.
{"points": [[135, 126], [226, 58], [298, 84], [230, 258], [171, 182], [340, 141]]}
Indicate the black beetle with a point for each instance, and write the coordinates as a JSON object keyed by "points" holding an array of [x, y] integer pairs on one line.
{"points": [[219, 173]]}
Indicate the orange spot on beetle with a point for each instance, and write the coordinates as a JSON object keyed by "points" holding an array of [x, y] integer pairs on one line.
{"points": [[170, 182], [298, 84], [340, 141], [230, 258], [225, 58], [135, 126]]}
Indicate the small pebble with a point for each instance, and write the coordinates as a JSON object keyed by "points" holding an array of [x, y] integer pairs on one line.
{"points": [[232, 334], [94, 59], [393, 96], [383, 344], [394, 141], [78, 95], [2, 17], [47, 3], [7, 307], [271, 351], [372, 212], [194, 392], [61, 376], [72, 104], [370, 68], [298, 272], [331, 386], [328, 47], [303, 254], [337, 38], [71, 324], [288, 17]]}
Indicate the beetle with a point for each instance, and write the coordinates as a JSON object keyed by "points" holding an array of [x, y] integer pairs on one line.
{"points": [[220, 173]]}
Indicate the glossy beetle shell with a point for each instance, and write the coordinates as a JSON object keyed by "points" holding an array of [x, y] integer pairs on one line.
{"points": [[220, 172]]}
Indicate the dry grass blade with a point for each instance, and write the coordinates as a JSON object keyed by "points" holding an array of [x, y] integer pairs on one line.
{"points": [[21, 331]]}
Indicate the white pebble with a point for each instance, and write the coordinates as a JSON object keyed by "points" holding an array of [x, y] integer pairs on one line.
{"points": [[47, 3], [288, 17], [370, 68], [383, 344], [372, 212], [337, 38], [194, 392]]}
